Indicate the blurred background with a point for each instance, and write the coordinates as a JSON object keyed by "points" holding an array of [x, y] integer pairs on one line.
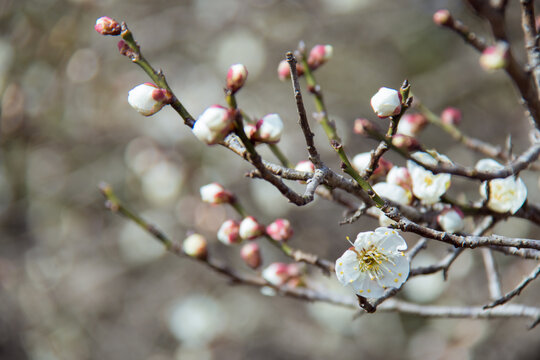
{"points": [[78, 282]]}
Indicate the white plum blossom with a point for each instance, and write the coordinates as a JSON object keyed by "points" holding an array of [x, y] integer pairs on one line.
{"points": [[213, 125], [399, 176], [505, 195], [427, 186], [361, 162], [375, 263], [148, 99], [386, 102], [391, 192], [451, 220]]}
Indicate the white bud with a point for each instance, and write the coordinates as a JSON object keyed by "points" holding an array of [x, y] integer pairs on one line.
{"points": [[250, 228], [386, 102], [195, 246], [270, 128], [213, 125], [228, 233], [214, 193], [148, 99], [451, 220]]}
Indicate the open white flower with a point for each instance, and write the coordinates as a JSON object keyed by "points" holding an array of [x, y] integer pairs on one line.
{"points": [[505, 195], [427, 186], [375, 262]]}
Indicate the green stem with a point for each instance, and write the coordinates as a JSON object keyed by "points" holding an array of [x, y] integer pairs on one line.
{"points": [[280, 156]]}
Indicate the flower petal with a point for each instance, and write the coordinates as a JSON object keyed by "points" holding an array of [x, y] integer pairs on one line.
{"points": [[364, 240], [390, 240], [347, 267], [366, 287], [396, 274]]}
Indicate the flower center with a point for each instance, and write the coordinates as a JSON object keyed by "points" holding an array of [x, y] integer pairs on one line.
{"points": [[371, 260], [428, 180]]}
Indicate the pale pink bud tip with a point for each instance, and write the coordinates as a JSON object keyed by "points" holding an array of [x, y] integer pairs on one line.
{"points": [[250, 228], [251, 254], [495, 57], [386, 102], [319, 55], [411, 124], [284, 70], [451, 116], [236, 77], [228, 233], [280, 230], [107, 26], [363, 127], [405, 142], [148, 99], [196, 246], [279, 274], [214, 124], [215, 194], [443, 18]]}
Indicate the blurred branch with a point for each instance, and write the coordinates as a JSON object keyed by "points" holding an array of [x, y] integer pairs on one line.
{"points": [[510, 295], [494, 281]]}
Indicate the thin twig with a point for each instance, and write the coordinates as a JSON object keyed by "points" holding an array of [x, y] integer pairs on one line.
{"points": [[494, 281], [508, 296]]}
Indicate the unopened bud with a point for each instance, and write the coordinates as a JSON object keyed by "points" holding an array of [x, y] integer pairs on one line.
{"points": [[411, 124], [124, 49], [318, 55], [305, 165], [280, 230], [495, 57], [443, 18], [148, 99], [214, 124], [361, 162], [236, 77], [284, 70], [228, 233], [107, 26], [451, 220], [215, 194], [196, 246], [363, 127], [250, 228], [405, 142], [386, 102], [451, 115], [276, 274], [268, 129], [251, 254]]}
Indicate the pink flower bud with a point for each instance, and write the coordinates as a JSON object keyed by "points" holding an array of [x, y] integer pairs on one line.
{"points": [[107, 26], [443, 18], [215, 194], [451, 115], [495, 57], [400, 176], [276, 274], [250, 228], [405, 142], [318, 55], [386, 102], [305, 165], [251, 254], [196, 246], [267, 130], [363, 127], [236, 77], [280, 230], [214, 124], [228, 233], [451, 219], [284, 70], [124, 49], [148, 99], [411, 124]]}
